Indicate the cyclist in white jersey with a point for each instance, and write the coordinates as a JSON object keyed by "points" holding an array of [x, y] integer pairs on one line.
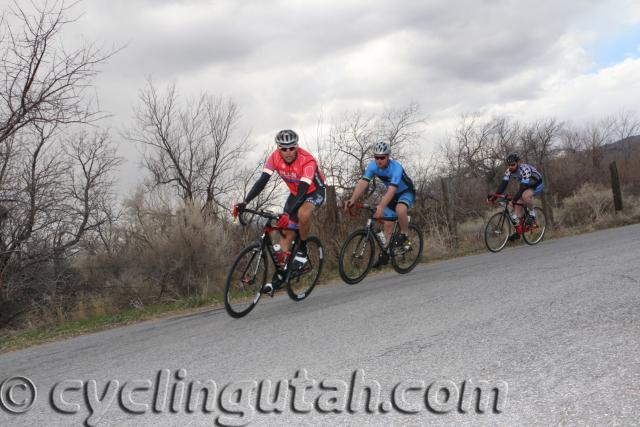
{"points": [[531, 184]]}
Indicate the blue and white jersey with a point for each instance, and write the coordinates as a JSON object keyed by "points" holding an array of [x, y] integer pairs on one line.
{"points": [[393, 174], [525, 174]]}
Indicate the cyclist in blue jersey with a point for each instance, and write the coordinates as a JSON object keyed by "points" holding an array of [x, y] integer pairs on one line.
{"points": [[398, 198], [531, 184]]}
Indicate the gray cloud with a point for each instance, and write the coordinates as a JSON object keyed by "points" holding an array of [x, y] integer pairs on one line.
{"points": [[285, 62]]}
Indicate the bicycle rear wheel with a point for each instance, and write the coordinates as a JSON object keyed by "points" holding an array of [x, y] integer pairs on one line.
{"points": [[301, 283], [534, 233], [404, 258], [497, 232], [245, 280], [356, 257]]}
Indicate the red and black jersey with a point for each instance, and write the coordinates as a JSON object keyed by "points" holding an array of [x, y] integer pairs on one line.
{"points": [[303, 169]]}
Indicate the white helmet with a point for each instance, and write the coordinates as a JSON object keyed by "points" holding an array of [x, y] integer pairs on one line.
{"points": [[286, 138], [381, 148]]}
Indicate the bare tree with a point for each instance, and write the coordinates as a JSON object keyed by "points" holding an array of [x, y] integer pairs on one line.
{"points": [[346, 151], [247, 176], [43, 89], [401, 127], [627, 125], [478, 148], [190, 147], [42, 82], [595, 135], [538, 141], [60, 193]]}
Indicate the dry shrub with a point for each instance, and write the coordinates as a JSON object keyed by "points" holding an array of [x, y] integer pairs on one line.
{"points": [[164, 254], [590, 204], [187, 254]]}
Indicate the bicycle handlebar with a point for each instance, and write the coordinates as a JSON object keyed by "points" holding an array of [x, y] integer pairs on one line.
{"points": [[371, 208], [262, 213], [359, 205], [506, 197]]}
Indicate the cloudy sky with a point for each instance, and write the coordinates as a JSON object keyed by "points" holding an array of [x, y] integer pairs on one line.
{"points": [[287, 62]]}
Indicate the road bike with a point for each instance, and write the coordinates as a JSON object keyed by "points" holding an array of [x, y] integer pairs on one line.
{"points": [[500, 226], [357, 252], [248, 274]]}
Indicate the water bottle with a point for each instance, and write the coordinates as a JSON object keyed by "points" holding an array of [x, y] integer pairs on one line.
{"points": [[281, 257], [514, 219], [381, 236]]}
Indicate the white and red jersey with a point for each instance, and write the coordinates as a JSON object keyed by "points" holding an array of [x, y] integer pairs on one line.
{"points": [[303, 169]]}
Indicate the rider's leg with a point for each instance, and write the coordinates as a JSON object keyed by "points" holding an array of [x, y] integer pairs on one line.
{"points": [[518, 210], [388, 231], [285, 242], [289, 235], [390, 214], [518, 228], [305, 213], [527, 198], [285, 246], [383, 258], [403, 217], [303, 216]]}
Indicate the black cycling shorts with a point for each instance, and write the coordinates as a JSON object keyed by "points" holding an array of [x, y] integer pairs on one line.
{"points": [[316, 198]]}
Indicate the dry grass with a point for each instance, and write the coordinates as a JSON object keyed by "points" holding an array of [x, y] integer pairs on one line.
{"points": [[189, 258]]}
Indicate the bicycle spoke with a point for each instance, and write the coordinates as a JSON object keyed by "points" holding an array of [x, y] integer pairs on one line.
{"points": [[356, 257], [244, 281], [301, 283], [404, 257], [497, 232], [535, 232]]}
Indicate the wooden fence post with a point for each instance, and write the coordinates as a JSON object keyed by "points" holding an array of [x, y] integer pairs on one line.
{"points": [[448, 208], [331, 218], [615, 186]]}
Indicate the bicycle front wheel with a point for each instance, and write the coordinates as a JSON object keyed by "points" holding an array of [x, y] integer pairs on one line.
{"points": [[497, 232], [301, 283], [356, 257], [534, 233], [404, 258], [245, 280]]}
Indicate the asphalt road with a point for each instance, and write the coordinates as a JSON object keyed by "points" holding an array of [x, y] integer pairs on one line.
{"points": [[554, 328]]}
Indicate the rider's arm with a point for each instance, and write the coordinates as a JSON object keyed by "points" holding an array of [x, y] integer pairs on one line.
{"points": [[360, 188], [503, 186], [362, 185], [504, 183], [258, 187], [521, 190], [303, 187], [267, 171]]}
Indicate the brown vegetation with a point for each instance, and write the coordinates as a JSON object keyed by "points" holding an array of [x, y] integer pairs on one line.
{"points": [[69, 248]]}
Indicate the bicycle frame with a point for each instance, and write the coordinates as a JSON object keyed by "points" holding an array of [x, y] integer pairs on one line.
{"points": [[371, 221], [266, 243], [507, 214]]}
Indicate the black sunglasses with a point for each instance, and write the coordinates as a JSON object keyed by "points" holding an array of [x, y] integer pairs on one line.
{"points": [[287, 148], [379, 157], [513, 165]]}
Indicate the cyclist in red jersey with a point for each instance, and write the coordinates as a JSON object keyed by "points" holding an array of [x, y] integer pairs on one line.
{"points": [[300, 172]]}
